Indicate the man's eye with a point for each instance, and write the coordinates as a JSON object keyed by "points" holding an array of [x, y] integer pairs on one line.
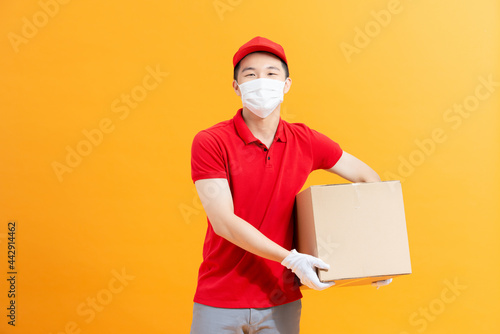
{"points": [[249, 74], [272, 73]]}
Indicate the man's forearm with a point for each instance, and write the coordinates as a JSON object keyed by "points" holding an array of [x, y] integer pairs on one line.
{"points": [[351, 168], [368, 175], [244, 235]]}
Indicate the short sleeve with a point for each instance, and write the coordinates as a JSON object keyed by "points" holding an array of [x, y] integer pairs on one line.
{"points": [[326, 152], [207, 159]]}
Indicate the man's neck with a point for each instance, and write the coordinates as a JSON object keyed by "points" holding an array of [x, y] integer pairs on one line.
{"points": [[263, 129]]}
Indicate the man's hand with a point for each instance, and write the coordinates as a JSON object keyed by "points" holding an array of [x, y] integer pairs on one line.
{"points": [[378, 284], [303, 266]]}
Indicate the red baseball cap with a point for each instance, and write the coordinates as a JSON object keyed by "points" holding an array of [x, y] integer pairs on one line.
{"points": [[259, 44]]}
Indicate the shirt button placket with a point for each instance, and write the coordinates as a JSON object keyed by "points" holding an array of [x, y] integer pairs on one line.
{"points": [[268, 158]]}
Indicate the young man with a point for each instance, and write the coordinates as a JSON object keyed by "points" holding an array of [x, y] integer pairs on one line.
{"points": [[247, 171]]}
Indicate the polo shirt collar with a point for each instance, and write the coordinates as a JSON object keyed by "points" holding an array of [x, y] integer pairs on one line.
{"points": [[247, 136]]}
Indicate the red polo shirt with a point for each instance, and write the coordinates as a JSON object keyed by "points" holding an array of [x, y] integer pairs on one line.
{"points": [[263, 184]]}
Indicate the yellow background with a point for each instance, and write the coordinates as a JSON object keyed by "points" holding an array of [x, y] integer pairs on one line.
{"points": [[129, 205]]}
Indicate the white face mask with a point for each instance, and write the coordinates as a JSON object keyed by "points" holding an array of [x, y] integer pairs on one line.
{"points": [[262, 96]]}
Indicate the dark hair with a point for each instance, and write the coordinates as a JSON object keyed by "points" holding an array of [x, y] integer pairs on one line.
{"points": [[283, 64]]}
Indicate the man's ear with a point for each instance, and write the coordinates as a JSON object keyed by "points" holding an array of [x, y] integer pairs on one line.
{"points": [[236, 88], [288, 84]]}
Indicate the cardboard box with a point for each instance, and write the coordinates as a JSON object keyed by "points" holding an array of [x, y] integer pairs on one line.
{"points": [[359, 229]]}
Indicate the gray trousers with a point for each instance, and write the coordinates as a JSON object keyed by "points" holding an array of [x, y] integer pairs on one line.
{"points": [[282, 319]]}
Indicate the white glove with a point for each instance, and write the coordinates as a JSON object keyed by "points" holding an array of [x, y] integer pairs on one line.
{"points": [[378, 284], [303, 266]]}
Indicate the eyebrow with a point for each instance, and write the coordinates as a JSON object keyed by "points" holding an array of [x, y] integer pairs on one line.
{"points": [[273, 68], [249, 68]]}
